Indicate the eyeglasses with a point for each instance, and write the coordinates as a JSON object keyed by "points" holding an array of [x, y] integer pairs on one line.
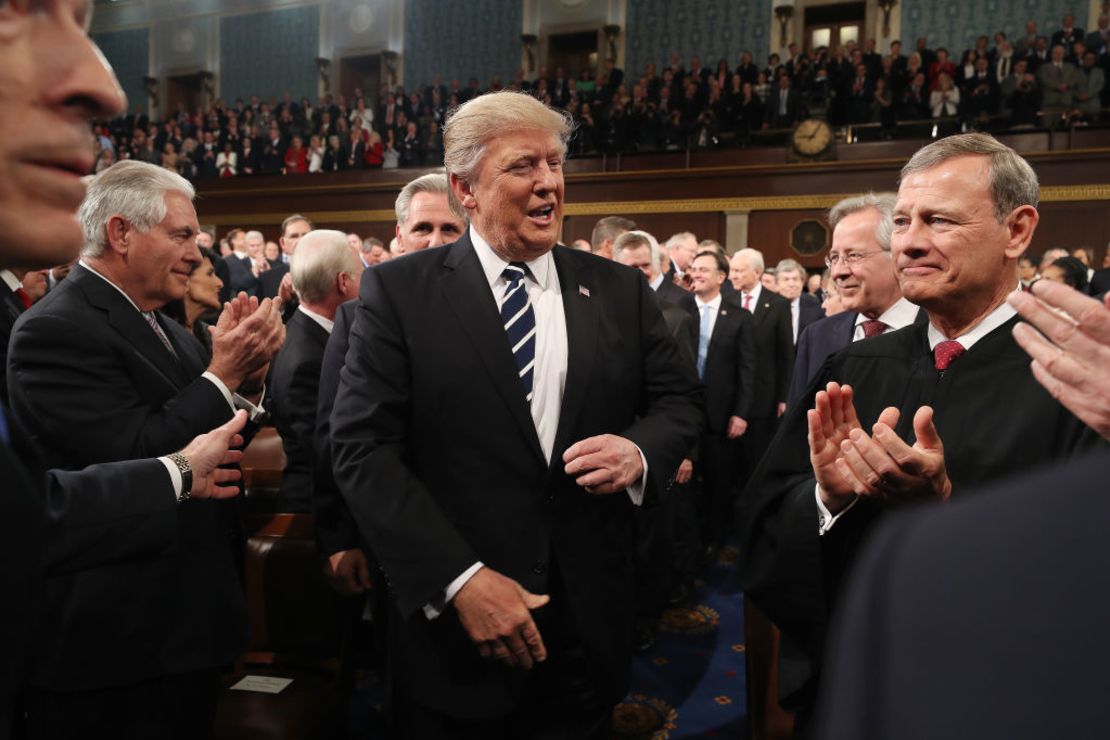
{"points": [[850, 259]]}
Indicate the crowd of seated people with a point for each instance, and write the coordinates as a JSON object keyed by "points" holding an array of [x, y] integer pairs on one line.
{"points": [[1035, 80]]}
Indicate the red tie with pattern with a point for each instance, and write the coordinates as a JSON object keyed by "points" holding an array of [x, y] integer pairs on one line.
{"points": [[748, 302], [945, 352], [873, 328]]}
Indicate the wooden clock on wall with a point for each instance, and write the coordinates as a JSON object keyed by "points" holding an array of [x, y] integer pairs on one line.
{"points": [[812, 141]]}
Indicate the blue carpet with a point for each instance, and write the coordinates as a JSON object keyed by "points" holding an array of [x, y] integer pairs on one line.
{"points": [[692, 683]]}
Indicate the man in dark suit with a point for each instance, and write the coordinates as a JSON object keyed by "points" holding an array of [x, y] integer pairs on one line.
{"points": [[774, 348], [1069, 34], [912, 416], [426, 218], [998, 553], [325, 274], [270, 281], [726, 363], [860, 265], [784, 105], [241, 278], [790, 277], [503, 407], [668, 538], [134, 649]]}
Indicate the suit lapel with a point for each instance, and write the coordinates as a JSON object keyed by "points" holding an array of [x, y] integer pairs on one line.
{"points": [[724, 321], [130, 324], [580, 305], [465, 287]]}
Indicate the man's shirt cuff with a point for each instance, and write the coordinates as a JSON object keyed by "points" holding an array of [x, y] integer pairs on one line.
{"points": [[235, 401], [434, 608], [825, 519], [175, 476], [636, 490]]}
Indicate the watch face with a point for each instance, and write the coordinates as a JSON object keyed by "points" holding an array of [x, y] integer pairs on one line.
{"points": [[812, 137]]}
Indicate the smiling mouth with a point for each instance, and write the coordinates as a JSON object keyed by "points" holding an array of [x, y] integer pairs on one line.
{"points": [[543, 214]]}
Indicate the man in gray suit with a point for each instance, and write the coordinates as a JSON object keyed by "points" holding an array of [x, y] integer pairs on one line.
{"points": [[1091, 81], [1058, 80]]}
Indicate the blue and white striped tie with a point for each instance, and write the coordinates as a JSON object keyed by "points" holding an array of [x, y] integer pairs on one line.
{"points": [[520, 324]]}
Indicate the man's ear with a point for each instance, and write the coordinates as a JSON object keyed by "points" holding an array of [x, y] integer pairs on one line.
{"points": [[462, 191], [1021, 223], [119, 234]]}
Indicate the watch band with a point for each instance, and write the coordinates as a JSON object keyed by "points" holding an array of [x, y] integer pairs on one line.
{"points": [[186, 471]]}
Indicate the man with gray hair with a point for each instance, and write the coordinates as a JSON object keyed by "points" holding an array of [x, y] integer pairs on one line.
{"points": [[774, 348], [606, 231], [426, 216], [681, 248], [372, 251], [325, 273], [505, 404], [912, 416], [790, 277], [99, 375], [861, 267]]}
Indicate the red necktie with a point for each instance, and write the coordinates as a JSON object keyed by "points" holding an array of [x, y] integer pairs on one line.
{"points": [[24, 298], [945, 352], [873, 328], [748, 302]]}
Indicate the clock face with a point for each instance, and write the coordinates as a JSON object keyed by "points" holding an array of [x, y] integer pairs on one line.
{"points": [[812, 137]]}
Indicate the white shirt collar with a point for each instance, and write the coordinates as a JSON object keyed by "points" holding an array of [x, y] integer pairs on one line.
{"points": [[656, 282], [715, 304], [902, 313], [493, 265], [327, 323], [755, 292], [10, 280], [91, 269], [992, 321]]}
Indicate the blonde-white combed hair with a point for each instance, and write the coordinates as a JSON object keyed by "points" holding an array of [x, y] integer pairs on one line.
{"points": [[883, 203], [321, 255], [470, 127], [1012, 182], [132, 189], [635, 240], [752, 257]]}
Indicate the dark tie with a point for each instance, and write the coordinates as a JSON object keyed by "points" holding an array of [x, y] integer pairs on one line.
{"points": [[5, 436], [153, 321], [945, 353], [873, 328], [520, 324]]}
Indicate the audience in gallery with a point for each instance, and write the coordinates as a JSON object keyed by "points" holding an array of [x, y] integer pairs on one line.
{"points": [[1035, 81]]}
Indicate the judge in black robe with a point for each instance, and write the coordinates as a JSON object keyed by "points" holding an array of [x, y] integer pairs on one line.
{"points": [[993, 418]]}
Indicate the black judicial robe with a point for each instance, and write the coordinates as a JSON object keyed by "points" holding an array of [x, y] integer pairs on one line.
{"points": [[993, 417]]}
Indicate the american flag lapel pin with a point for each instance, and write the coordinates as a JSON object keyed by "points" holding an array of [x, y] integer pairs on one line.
{"points": [[584, 291]]}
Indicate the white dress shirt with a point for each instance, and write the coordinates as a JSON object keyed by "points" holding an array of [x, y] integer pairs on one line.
{"points": [[326, 323], [656, 282], [549, 374], [900, 315], [754, 293], [10, 280]]}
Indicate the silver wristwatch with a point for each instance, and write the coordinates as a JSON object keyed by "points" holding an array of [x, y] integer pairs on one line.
{"points": [[186, 471]]}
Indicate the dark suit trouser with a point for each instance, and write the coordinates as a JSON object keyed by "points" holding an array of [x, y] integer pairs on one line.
{"points": [[561, 701], [177, 707], [687, 548], [755, 442], [720, 465], [654, 553]]}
